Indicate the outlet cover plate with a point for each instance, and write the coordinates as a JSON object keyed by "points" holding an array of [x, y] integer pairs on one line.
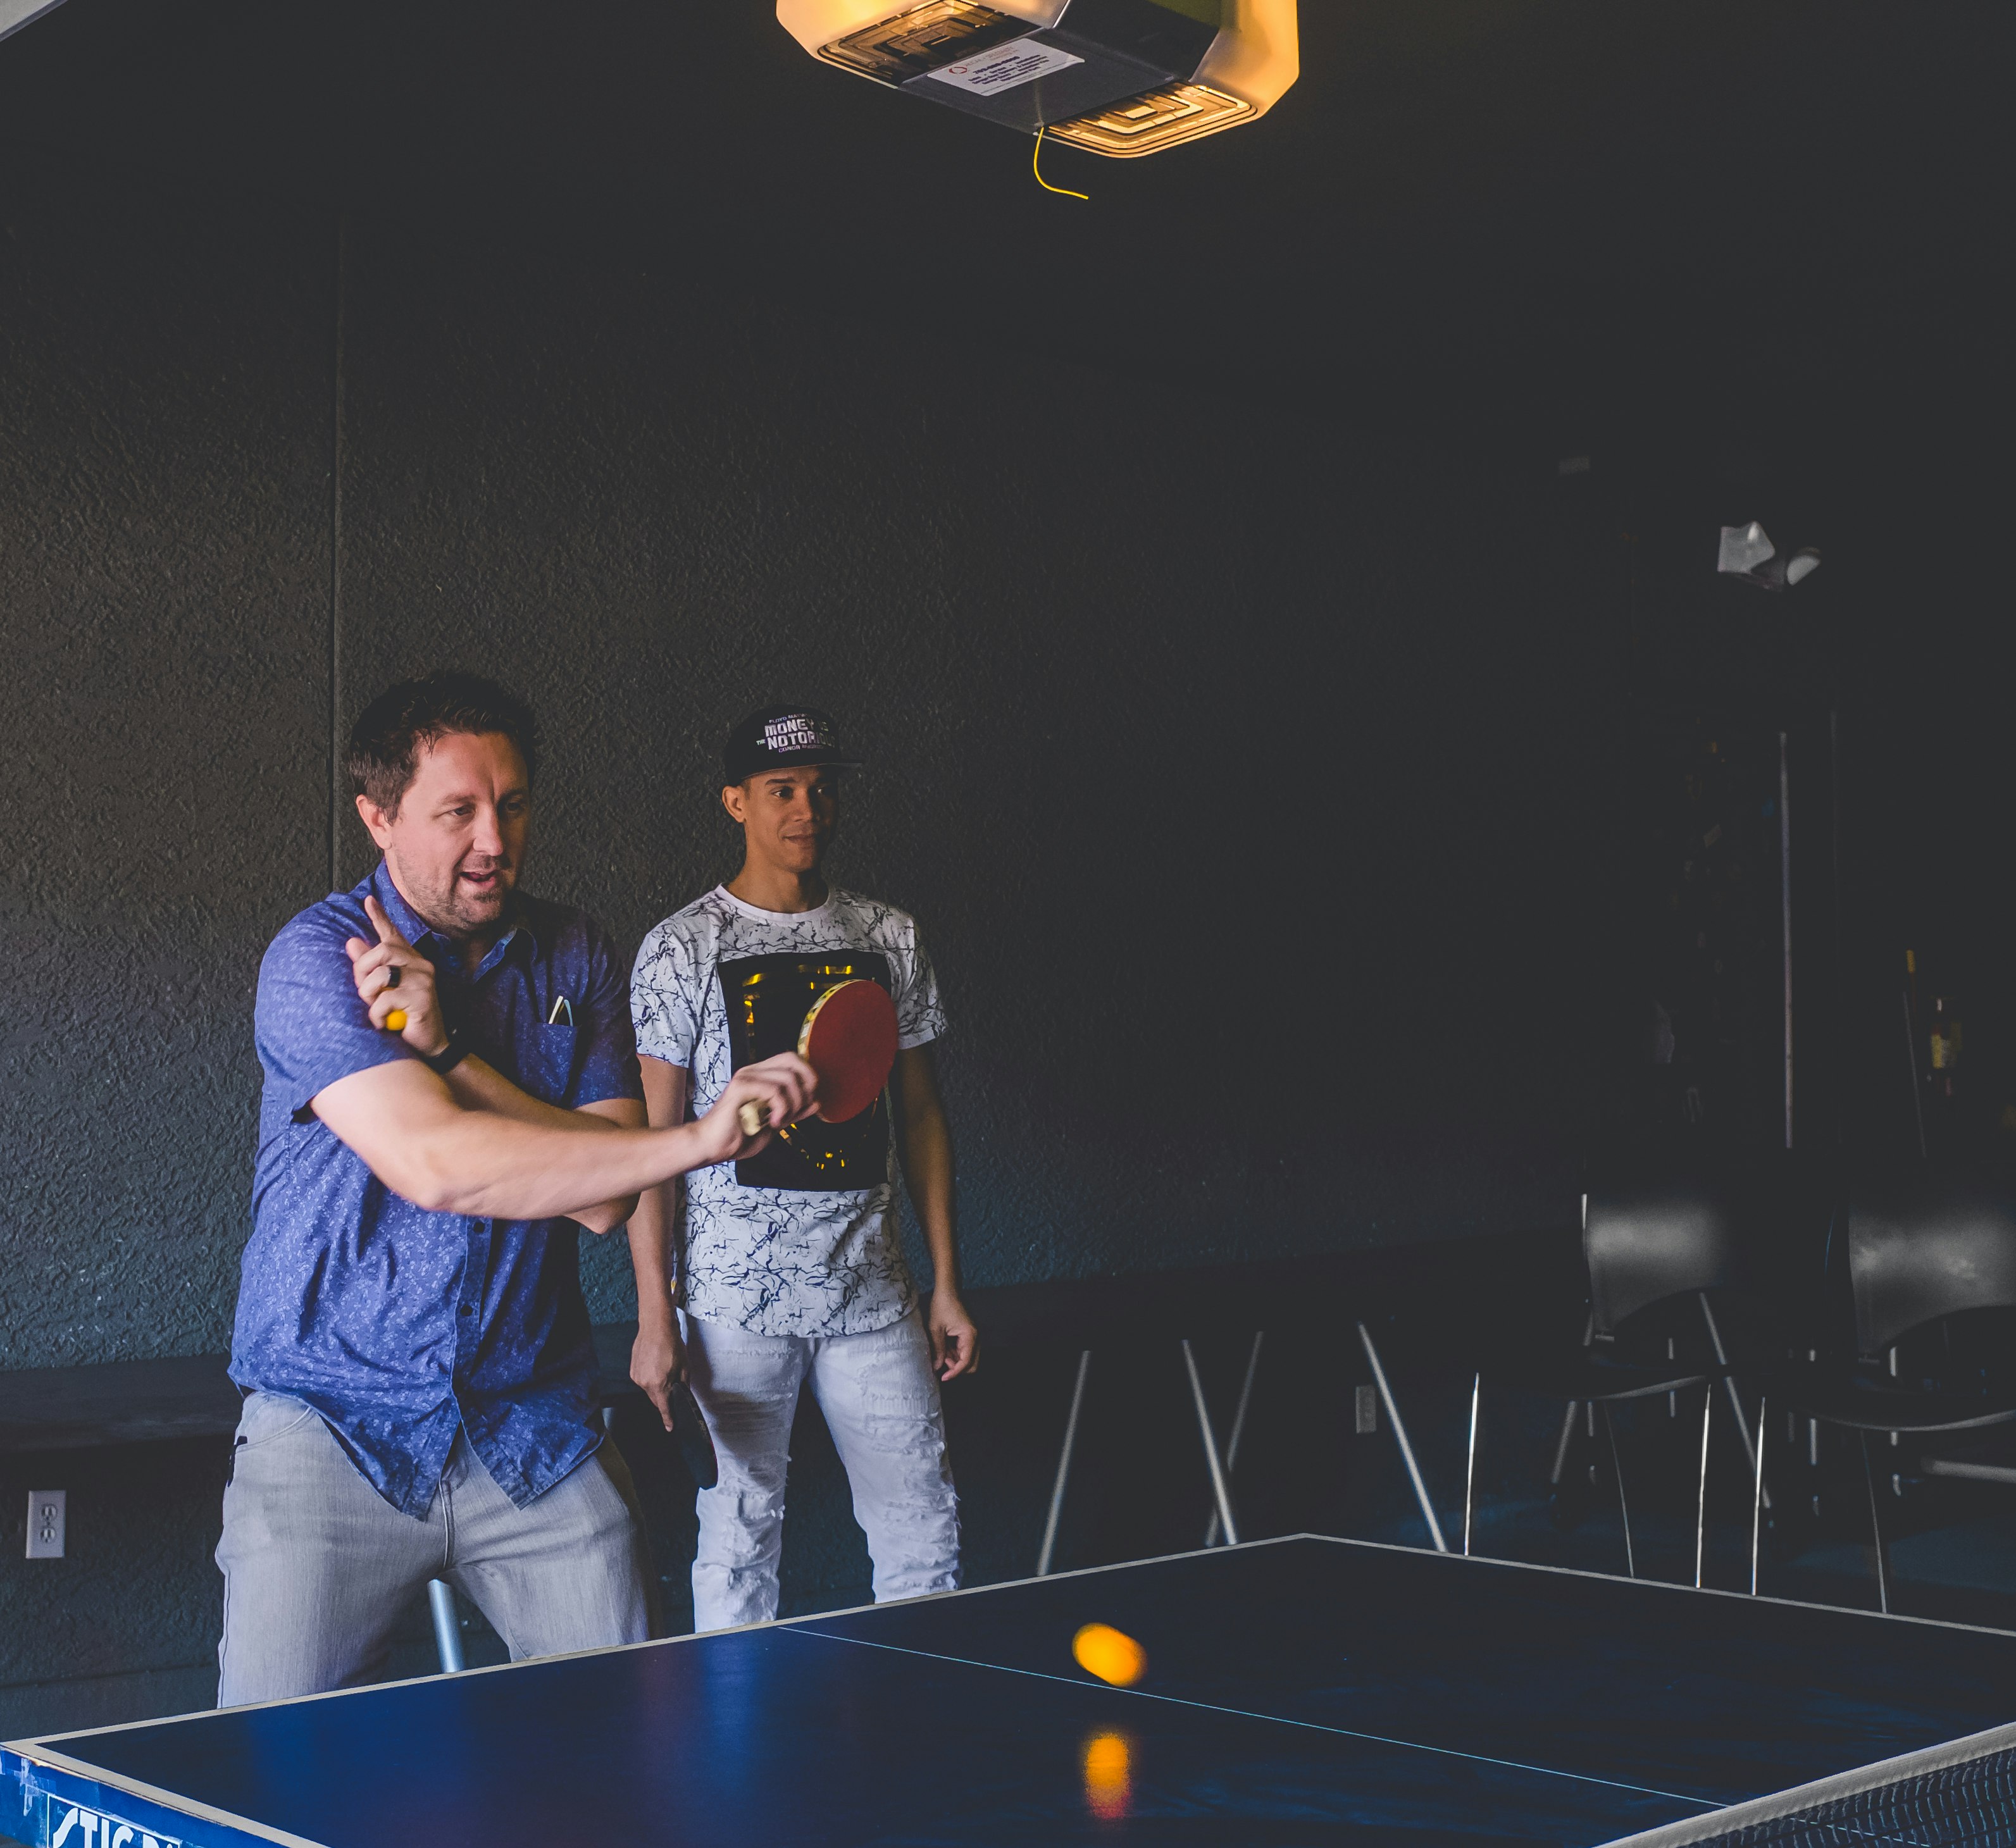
{"points": [[48, 1515]]}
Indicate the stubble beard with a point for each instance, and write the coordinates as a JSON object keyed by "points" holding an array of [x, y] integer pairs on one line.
{"points": [[458, 914]]}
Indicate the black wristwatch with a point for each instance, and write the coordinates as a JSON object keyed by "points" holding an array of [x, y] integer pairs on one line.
{"points": [[444, 1061]]}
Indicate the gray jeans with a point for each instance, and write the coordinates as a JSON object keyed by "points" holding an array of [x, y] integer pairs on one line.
{"points": [[881, 1400], [319, 1569]]}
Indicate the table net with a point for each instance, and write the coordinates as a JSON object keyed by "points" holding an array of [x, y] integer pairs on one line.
{"points": [[1968, 1804]]}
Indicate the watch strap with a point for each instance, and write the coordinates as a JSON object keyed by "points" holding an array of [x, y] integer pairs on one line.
{"points": [[444, 1061]]}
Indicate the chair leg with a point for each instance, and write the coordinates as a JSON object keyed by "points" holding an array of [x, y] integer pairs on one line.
{"points": [[1400, 1437], [1700, 1503], [1623, 1506], [1064, 1467], [1757, 1500], [1728, 1380], [1876, 1529], [1562, 1443], [1219, 1491], [1470, 1466], [1573, 1405], [1238, 1426]]}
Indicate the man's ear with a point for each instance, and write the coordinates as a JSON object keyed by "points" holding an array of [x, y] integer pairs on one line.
{"points": [[735, 799], [377, 822]]}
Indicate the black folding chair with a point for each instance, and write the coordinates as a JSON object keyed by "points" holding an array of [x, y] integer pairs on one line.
{"points": [[1649, 1246], [1918, 1252]]}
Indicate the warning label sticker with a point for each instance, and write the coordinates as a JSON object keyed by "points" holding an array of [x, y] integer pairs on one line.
{"points": [[1006, 67]]}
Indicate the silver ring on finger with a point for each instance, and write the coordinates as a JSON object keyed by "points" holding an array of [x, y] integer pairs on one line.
{"points": [[392, 974]]}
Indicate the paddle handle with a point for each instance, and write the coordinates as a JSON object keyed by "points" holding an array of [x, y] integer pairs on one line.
{"points": [[754, 1118]]}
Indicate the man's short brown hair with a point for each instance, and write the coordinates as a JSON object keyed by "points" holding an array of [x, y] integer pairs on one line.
{"points": [[404, 721]]}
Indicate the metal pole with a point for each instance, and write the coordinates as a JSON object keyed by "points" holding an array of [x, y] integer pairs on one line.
{"points": [[1785, 902], [1217, 1487], [448, 1627], [1836, 950], [1756, 1503], [1400, 1437], [1470, 1468], [1911, 1067], [1238, 1425], [1729, 1380], [1567, 1438], [1064, 1469], [1623, 1506], [1573, 1405], [1876, 1531], [1700, 1507]]}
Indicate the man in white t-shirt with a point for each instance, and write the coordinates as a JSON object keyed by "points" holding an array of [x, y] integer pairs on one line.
{"points": [[789, 1265]]}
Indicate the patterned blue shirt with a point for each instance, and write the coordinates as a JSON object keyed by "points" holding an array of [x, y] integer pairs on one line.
{"points": [[401, 1326]]}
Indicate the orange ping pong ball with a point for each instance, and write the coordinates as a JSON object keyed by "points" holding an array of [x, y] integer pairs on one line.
{"points": [[1111, 1653], [395, 1022]]}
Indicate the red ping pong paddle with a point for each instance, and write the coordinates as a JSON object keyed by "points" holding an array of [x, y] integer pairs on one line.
{"points": [[849, 1039]]}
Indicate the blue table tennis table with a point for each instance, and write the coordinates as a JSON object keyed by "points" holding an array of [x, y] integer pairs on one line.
{"points": [[1298, 1690]]}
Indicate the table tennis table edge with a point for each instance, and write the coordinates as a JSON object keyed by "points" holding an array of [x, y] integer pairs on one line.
{"points": [[1571, 1571], [65, 1780]]}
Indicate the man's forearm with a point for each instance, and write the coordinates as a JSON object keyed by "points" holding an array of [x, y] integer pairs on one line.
{"points": [[490, 1167], [422, 1143], [477, 1086], [924, 1141], [667, 1088], [927, 1173], [651, 1226]]}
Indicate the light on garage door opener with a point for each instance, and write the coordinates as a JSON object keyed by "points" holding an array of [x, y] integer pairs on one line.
{"points": [[1116, 77]]}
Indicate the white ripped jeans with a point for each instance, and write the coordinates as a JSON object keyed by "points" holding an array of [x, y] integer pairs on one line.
{"points": [[880, 1400]]}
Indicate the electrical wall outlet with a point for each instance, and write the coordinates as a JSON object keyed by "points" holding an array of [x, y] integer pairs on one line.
{"points": [[1367, 1409], [47, 1514]]}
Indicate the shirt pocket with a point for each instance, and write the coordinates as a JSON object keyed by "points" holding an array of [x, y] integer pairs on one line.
{"points": [[551, 1075]]}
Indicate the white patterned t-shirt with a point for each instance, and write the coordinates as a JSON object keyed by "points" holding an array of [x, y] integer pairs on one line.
{"points": [[803, 1239]]}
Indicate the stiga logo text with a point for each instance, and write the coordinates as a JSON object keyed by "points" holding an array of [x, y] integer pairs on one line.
{"points": [[71, 1827]]}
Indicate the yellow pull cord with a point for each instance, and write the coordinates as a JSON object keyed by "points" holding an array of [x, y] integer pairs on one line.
{"points": [[1035, 167]]}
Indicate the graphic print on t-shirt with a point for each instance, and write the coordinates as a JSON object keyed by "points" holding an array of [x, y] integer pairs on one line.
{"points": [[767, 998], [783, 1261]]}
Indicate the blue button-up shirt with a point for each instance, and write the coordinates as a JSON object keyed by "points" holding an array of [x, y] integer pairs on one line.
{"points": [[401, 1326]]}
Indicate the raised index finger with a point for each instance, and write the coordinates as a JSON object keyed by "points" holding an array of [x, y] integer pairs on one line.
{"points": [[388, 932]]}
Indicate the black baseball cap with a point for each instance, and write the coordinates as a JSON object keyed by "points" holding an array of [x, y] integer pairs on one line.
{"points": [[782, 738]]}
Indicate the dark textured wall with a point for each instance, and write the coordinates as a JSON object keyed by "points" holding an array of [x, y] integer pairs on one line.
{"points": [[165, 441], [656, 510]]}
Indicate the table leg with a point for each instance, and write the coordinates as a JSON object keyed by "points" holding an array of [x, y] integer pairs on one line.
{"points": [[1220, 1492], [1400, 1437], [448, 1626], [1238, 1427], [1064, 1469]]}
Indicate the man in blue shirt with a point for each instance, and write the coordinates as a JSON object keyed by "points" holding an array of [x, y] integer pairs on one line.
{"points": [[451, 1093]]}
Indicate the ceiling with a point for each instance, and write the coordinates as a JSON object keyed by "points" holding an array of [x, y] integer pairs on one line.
{"points": [[1733, 225]]}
